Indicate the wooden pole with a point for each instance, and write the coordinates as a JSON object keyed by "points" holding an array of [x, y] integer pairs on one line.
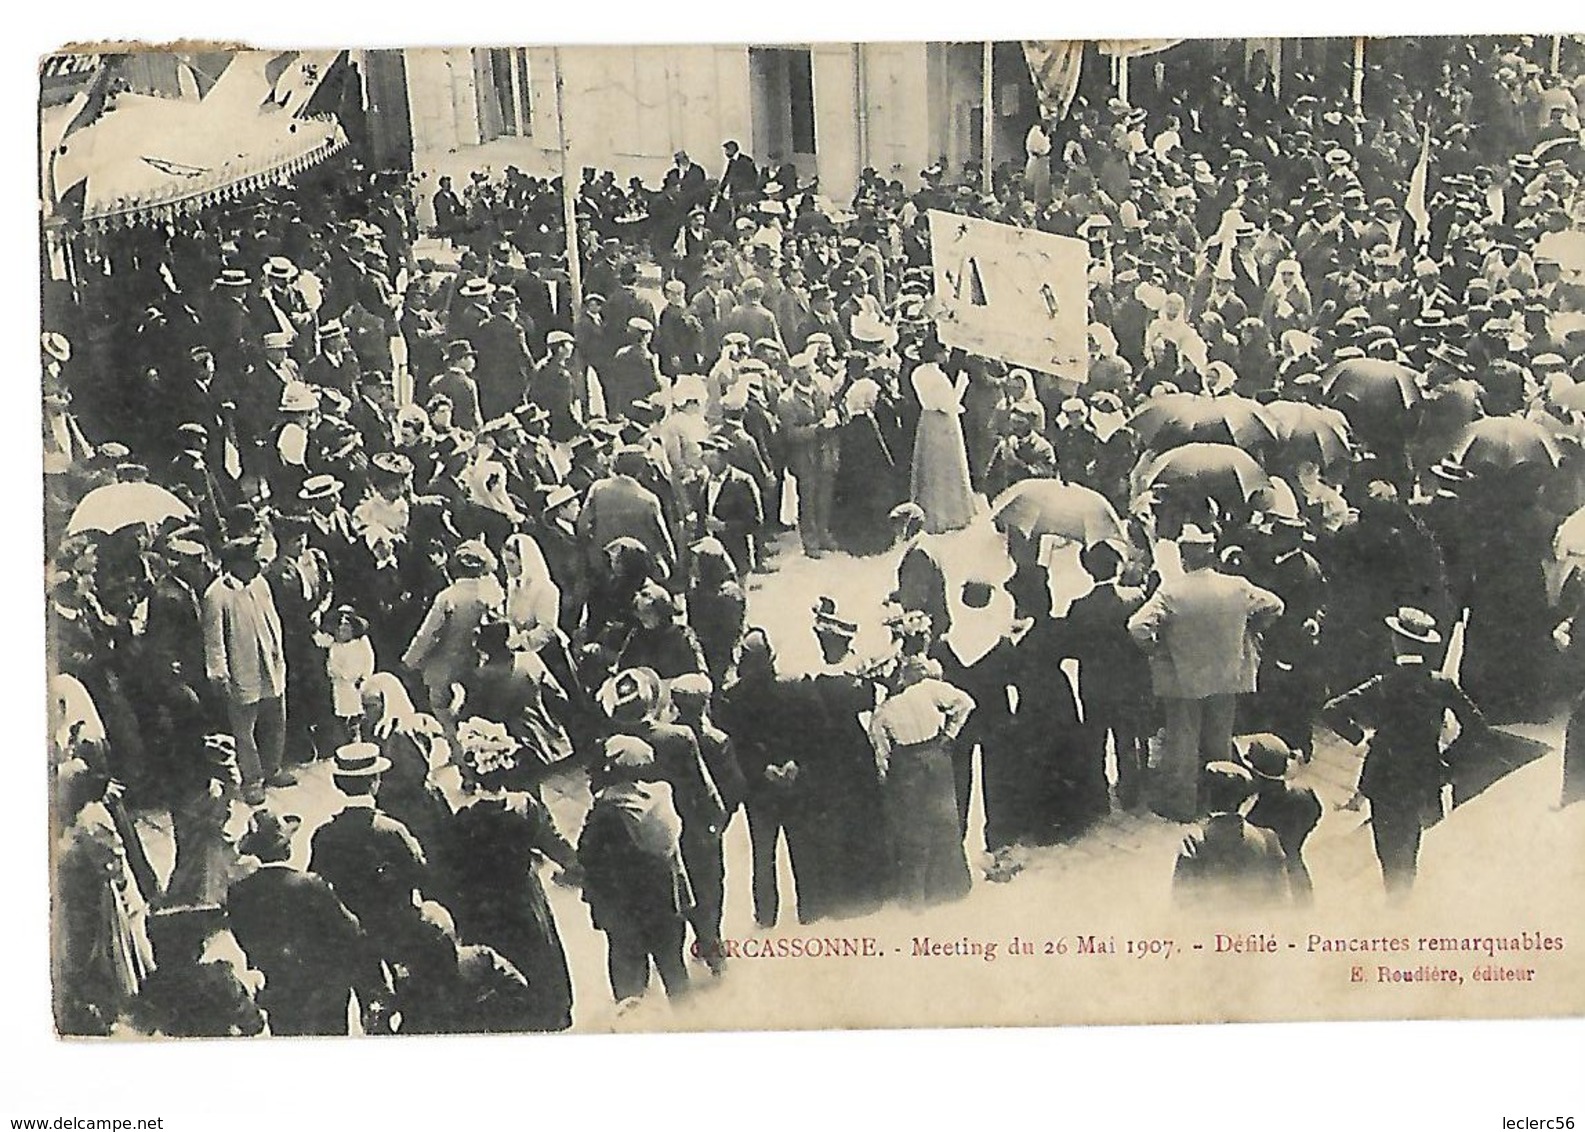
{"points": [[1557, 54], [1359, 75], [987, 117], [569, 197], [1122, 77]]}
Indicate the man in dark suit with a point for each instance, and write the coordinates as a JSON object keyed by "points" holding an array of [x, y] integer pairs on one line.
{"points": [[371, 860], [634, 371], [558, 538], [679, 338], [618, 506], [300, 582], [334, 366], [772, 720], [450, 216], [685, 179], [1114, 680], [729, 505], [740, 178], [504, 363], [298, 934], [1404, 769], [1292, 691], [560, 388], [459, 386], [471, 309]]}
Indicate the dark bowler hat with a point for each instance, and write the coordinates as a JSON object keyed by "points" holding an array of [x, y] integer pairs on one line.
{"points": [[827, 621], [1227, 784], [1266, 755], [269, 835]]}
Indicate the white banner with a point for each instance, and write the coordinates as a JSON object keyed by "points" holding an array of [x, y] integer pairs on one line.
{"points": [[1011, 293]]}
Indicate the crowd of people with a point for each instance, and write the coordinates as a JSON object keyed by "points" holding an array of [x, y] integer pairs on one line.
{"points": [[325, 488]]}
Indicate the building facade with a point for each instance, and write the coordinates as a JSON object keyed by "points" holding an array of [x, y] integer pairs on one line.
{"points": [[830, 110]]}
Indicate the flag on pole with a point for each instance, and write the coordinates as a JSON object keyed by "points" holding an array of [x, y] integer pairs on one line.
{"points": [[65, 190], [1054, 65], [96, 101], [294, 76], [1415, 206]]}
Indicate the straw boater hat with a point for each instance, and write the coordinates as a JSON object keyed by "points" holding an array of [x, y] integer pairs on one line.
{"points": [[56, 346], [320, 487], [1415, 625], [359, 760]]}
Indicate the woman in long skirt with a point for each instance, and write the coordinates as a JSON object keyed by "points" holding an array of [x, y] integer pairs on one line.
{"points": [[490, 856], [939, 480], [912, 733]]}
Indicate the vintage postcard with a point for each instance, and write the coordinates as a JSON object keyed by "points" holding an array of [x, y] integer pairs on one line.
{"points": [[814, 536]]}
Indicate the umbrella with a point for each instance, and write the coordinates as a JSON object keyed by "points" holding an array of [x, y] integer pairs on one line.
{"points": [[1569, 542], [1184, 418], [119, 505], [1311, 432], [1372, 385], [1050, 507], [1218, 470], [1567, 248], [1508, 442]]}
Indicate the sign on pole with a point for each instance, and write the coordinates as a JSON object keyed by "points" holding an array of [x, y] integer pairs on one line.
{"points": [[1015, 294]]}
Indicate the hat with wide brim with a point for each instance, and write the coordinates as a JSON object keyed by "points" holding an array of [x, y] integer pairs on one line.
{"points": [[56, 345], [866, 328], [359, 760], [299, 397], [320, 487], [1415, 625]]}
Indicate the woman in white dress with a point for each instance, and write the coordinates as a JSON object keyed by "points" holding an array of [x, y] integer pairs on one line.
{"points": [[939, 479]]}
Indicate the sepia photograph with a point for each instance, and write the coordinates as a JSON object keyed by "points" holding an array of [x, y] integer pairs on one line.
{"points": [[812, 535]]}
